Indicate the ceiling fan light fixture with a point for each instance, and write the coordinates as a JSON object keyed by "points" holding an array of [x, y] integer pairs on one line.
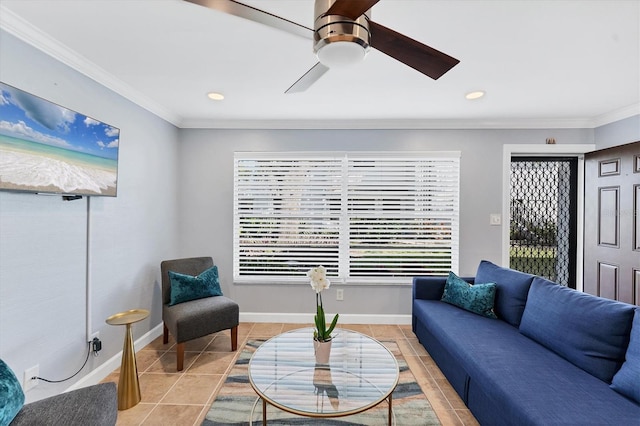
{"points": [[338, 40], [341, 54]]}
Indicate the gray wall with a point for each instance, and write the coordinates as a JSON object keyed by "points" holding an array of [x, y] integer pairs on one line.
{"points": [[206, 201], [43, 239], [618, 133]]}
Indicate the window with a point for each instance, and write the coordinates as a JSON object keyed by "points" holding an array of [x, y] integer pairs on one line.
{"points": [[376, 217]]}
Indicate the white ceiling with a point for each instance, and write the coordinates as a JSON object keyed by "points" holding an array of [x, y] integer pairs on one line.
{"points": [[542, 63]]}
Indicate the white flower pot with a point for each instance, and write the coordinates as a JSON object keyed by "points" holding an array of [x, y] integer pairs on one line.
{"points": [[322, 351]]}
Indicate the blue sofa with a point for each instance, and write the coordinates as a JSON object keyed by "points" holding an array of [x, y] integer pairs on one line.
{"points": [[548, 359]]}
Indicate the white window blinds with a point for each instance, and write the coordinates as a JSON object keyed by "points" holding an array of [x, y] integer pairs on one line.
{"points": [[367, 217]]}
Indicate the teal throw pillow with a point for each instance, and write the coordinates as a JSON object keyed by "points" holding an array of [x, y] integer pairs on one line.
{"points": [[478, 298], [627, 379], [186, 287], [11, 395]]}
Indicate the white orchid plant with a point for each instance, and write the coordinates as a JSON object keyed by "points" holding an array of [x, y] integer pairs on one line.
{"points": [[319, 282]]}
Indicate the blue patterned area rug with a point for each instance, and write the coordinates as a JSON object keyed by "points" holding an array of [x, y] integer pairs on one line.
{"points": [[235, 401]]}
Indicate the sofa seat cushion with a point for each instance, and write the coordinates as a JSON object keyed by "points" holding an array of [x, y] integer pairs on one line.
{"points": [[193, 319], [512, 288], [590, 332], [530, 385], [472, 338]]}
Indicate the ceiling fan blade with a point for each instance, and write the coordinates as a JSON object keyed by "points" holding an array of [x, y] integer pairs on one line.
{"points": [[251, 13], [308, 79], [352, 9], [418, 56]]}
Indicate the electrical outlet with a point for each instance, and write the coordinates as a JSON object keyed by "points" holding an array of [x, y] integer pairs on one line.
{"points": [[340, 294], [95, 335], [96, 346], [29, 373], [495, 219]]}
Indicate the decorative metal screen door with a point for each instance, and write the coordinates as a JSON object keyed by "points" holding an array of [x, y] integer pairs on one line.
{"points": [[543, 217]]}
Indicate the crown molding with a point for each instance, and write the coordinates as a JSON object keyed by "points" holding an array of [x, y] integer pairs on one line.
{"points": [[393, 124], [617, 115], [25, 31]]}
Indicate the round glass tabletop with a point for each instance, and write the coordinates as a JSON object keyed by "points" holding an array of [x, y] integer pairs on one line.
{"points": [[361, 373]]}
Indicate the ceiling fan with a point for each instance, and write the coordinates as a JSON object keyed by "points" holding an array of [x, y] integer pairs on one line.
{"points": [[343, 33]]}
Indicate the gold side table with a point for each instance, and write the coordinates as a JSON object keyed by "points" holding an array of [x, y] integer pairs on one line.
{"points": [[128, 385]]}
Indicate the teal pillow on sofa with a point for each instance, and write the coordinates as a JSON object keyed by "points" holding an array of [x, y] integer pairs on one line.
{"points": [[186, 287], [627, 379], [477, 298], [11, 395]]}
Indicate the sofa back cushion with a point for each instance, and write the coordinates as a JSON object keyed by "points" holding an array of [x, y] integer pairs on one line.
{"points": [[627, 379], [589, 331], [512, 288]]}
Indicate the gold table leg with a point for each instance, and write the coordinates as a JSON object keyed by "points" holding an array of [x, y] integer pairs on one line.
{"points": [[264, 412], [128, 386]]}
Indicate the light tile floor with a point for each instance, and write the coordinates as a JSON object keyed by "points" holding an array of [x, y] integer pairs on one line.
{"points": [[183, 398]]}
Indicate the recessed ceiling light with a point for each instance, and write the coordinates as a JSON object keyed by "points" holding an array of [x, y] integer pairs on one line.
{"points": [[477, 94], [215, 96]]}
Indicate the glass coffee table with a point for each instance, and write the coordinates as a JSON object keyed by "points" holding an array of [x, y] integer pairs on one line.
{"points": [[361, 374]]}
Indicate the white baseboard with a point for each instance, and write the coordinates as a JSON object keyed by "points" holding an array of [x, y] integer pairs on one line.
{"points": [[305, 318], [106, 368]]}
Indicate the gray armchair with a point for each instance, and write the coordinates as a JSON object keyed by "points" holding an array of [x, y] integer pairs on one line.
{"points": [[95, 405], [196, 318]]}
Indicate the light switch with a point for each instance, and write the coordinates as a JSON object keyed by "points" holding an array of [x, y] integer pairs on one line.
{"points": [[495, 219]]}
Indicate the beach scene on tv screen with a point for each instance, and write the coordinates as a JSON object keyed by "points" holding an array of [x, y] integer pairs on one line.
{"points": [[47, 148]]}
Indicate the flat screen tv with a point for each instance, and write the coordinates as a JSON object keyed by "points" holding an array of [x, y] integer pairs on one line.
{"points": [[47, 148]]}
